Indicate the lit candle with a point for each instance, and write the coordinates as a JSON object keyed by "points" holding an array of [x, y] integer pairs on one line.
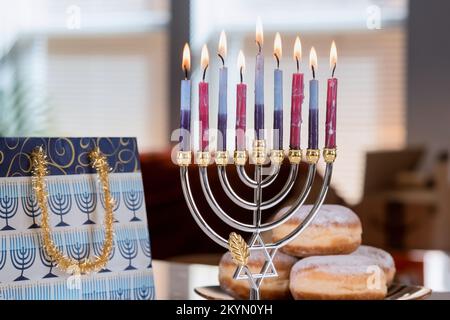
{"points": [[296, 98], [241, 102], [223, 79], [185, 102], [278, 97], [259, 83], [313, 103], [330, 125], [203, 102]]}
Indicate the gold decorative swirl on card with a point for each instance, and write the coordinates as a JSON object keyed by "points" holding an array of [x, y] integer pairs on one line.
{"points": [[67, 155], [60, 147]]}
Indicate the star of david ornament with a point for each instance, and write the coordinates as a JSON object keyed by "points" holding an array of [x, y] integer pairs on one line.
{"points": [[268, 269]]}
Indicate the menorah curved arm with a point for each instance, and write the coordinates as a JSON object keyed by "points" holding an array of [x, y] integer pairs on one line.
{"points": [[284, 191], [265, 204], [300, 201], [265, 226], [194, 210], [216, 207], [231, 193], [249, 182], [308, 219], [272, 176]]}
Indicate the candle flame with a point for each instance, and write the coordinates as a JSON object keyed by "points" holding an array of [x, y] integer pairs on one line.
{"points": [[297, 49], [241, 61], [259, 32], [277, 50], [333, 55], [204, 59], [186, 62], [223, 45], [313, 58]]}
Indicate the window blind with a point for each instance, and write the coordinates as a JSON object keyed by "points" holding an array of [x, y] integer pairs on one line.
{"points": [[115, 86]]}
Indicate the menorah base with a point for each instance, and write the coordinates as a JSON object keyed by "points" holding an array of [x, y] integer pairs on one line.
{"points": [[254, 294]]}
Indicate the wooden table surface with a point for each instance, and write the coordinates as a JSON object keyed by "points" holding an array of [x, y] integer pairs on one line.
{"points": [[178, 280]]}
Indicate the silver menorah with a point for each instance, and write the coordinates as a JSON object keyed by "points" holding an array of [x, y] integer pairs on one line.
{"points": [[240, 249]]}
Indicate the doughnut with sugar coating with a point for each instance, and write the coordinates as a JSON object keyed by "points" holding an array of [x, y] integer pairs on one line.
{"points": [[339, 277], [381, 257], [335, 230]]}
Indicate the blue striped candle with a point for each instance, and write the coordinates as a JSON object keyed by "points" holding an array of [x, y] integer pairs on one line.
{"points": [[223, 79], [185, 121], [259, 96], [222, 118], [185, 102], [278, 110], [259, 83], [313, 127]]}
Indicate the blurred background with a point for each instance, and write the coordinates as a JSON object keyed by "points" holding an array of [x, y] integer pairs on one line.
{"points": [[113, 68]]}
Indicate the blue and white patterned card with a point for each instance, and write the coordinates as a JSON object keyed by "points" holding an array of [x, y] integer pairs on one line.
{"points": [[76, 208]]}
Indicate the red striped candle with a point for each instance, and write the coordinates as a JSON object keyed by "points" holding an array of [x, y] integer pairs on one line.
{"points": [[203, 107], [241, 104], [330, 125], [296, 98], [296, 110], [203, 102]]}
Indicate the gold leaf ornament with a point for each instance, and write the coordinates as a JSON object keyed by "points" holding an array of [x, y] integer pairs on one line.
{"points": [[238, 248]]}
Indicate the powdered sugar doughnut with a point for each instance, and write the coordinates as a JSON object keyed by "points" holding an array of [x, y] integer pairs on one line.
{"points": [[382, 258], [337, 278], [334, 230], [271, 288]]}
